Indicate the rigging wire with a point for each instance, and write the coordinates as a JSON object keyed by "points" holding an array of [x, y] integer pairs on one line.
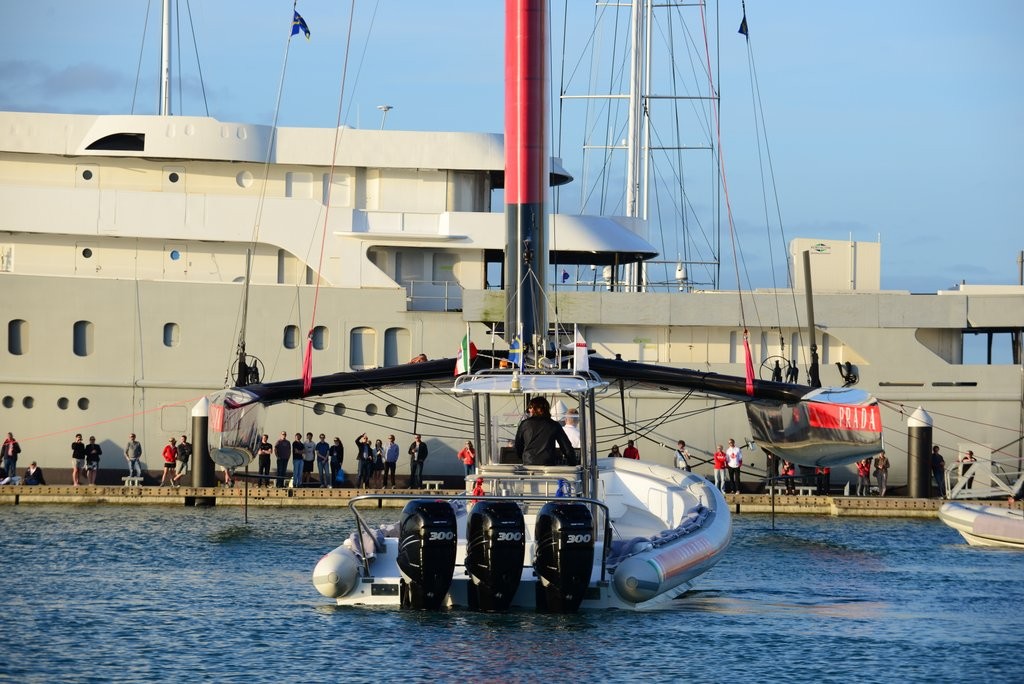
{"points": [[142, 51]]}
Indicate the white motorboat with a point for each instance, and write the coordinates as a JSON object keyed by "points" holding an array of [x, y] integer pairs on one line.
{"points": [[983, 525], [608, 533]]}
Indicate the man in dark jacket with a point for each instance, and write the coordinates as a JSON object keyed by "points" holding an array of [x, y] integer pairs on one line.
{"points": [[538, 435], [417, 456]]}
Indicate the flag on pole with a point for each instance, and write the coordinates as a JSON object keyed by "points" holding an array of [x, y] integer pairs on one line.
{"points": [[307, 365], [299, 25], [750, 364], [565, 275], [515, 352], [580, 360], [743, 26], [467, 352]]}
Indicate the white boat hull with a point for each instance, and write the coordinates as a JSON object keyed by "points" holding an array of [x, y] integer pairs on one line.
{"points": [[650, 561], [983, 525]]}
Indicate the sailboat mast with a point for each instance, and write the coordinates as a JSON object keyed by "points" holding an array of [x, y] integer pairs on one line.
{"points": [[526, 172], [165, 60]]}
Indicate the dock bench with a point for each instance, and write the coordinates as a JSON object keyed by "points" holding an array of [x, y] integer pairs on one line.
{"points": [[433, 484]]}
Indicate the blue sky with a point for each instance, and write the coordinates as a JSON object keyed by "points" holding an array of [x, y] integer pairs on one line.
{"points": [[900, 120]]}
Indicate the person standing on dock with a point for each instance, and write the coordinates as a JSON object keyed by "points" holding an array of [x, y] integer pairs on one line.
{"points": [[881, 472], [336, 454], [864, 476], [170, 455], [734, 462], [133, 453], [92, 459], [182, 456], [323, 461], [308, 458], [390, 460], [283, 453], [364, 461], [939, 471], [77, 459], [468, 457], [263, 451], [10, 451], [417, 457], [298, 447], [718, 461]]}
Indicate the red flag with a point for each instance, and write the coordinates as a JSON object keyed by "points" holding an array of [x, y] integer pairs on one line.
{"points": [[750, 364], [307, 367]]}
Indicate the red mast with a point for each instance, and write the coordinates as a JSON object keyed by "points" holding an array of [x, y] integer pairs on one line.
{"points": [[526, 173]]}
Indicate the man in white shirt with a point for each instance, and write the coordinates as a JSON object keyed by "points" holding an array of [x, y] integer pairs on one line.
{"points": [[571, 429], [734, 461]]}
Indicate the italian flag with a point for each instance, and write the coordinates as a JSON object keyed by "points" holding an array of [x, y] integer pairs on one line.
{"points": [[467, 352]]}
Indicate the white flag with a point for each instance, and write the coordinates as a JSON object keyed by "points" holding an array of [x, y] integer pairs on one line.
{"points": [[580, 362]]}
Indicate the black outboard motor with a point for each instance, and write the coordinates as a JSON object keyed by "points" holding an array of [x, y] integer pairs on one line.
{"points": [[427, 541], [565, 556], [494, 558]]}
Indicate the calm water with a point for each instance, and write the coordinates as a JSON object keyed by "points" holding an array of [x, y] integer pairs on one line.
{"points": [[143, 594]]}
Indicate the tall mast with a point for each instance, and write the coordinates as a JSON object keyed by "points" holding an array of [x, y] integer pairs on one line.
{"points": [[526, 172], [165, 60]]}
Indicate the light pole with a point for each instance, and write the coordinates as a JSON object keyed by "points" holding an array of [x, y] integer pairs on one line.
{"points": [[384, 114]]}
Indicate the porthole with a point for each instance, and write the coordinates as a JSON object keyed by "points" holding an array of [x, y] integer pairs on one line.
{"points": [[8, 402], [391, 410], [339, 409], [87, 174], [319, 409], [175, 255], [86, 253], [173, 177], [63, 403], [28, 402], [371, 409], [83, 404], [244, 179]]}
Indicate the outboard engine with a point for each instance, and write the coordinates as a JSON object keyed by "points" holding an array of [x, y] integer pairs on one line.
{"points": [[565, 556], [426, 553], [496, 541]]}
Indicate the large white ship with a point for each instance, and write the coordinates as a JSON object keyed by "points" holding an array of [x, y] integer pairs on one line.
{"points": [[123, 263]]}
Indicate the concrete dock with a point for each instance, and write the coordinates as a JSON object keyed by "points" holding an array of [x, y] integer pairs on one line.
{"points": [[854, 506]]}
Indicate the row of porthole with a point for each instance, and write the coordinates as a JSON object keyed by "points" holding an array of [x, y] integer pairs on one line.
{"points": [[391, 410], [63, 403]]}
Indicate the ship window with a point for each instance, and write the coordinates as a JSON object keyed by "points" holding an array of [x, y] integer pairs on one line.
{"points": [[397, 348], [371, 409], [291, 336], [83, 338], [175, 255], [87, 175], [991, 347], [391, 410], [363, 349], [125, 142], [63, 403], [8, 401], [172, 334], [339, 409], [83, 404], [173, 177], [86, 253], [321, 337], [319, 408], [443, 270], [17, 336], [28, 402]]}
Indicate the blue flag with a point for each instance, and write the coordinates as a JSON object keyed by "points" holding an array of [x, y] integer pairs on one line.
{"points": [[299, 24], [565, 275], [515, 353]]}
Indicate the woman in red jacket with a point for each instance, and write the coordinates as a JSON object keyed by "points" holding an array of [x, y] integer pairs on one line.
{"points": [[719, 463], [170, 453]]}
